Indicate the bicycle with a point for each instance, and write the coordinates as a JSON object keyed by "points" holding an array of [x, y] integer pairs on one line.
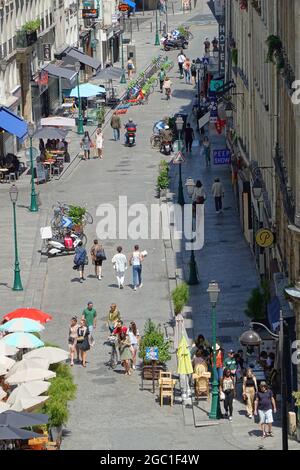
{"points": [[113, 361]]}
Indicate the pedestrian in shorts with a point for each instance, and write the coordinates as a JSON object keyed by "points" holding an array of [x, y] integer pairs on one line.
{"points": [[265, 406]]}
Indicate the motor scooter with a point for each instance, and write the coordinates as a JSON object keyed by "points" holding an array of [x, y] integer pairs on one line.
{"points": [[130, 137], [166, 148], [57, 245]]}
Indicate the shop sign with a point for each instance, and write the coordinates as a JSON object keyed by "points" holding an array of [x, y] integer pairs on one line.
{"points": [[42, 78], [123, 7], [90, 13], [222, 157], [151, 354], [47, 52], [264, 238], [222, 46]]}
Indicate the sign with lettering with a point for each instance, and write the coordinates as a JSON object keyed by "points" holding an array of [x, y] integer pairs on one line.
{"points": [[222, 46], [264, 238], [222, 157], [90, 13], [214, 115], [47, 52]]}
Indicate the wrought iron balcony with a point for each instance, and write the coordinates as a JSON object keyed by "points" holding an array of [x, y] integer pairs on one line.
{"points": [[286, 191]]}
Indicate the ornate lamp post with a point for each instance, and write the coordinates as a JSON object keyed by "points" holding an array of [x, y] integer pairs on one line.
{"points": [[13, 193], [213, 292], [157, 43], [252, 338], [33, 198], [123, 78], [193, 276], [179, 126], [80, 129]]}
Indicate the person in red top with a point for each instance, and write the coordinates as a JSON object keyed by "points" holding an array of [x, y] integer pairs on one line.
{"points": [[219, 361], [120, 328]]}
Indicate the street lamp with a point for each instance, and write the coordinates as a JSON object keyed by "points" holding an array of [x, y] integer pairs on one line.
{"points": [[190, 186], [33, 199], [257, 192], [123, 78], [213, 292], [157, 42], [80, 129], [13, 194], [251, 338], [179, 126], [198, 68]]}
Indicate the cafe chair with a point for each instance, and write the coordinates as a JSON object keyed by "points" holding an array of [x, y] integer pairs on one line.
{"points": [[166, 387]]}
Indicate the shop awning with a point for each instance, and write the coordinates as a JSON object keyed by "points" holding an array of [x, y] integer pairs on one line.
{"points": [[129, 2], [60, 72], [83, 58], [12, 123]]}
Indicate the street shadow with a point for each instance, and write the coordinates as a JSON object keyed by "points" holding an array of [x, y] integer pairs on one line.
{"points": [[4, 284], [75, 279], [113, 285], [255, 433]]}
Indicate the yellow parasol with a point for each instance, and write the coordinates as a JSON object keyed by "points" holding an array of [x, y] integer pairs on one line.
{"points": [[184, 358]]}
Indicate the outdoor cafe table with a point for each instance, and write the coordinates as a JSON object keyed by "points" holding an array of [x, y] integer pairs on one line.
{"points": [[2, 173], [49, 163]]}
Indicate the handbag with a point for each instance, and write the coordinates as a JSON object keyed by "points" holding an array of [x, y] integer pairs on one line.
{"points": [[86, 261], [222, 396], [200, 200], [80, 339]]}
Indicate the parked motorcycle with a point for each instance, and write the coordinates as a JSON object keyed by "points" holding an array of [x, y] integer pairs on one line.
{"points": [[64, 245], [166, 148], [178, 43]]}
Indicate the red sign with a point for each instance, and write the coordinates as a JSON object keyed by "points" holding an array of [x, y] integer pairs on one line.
{"points": [[42, 78], [123, 7], [90, 13]]}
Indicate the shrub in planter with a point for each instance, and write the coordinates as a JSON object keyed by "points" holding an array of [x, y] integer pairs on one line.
{"points": [[180, 297], [76, 214], [56, 409], [31, 26], [256, 307], [154, 337]]}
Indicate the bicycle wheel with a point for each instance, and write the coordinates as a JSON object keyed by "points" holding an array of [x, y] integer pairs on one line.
{"points": [[190, 35], [83, 238], [88, 218], [155, 141], [55, 223]]}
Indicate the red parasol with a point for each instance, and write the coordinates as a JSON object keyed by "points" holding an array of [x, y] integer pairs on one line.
{"points": [[31, 313]]}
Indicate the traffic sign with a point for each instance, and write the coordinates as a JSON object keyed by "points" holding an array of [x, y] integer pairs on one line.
{"points": [[264, 238], [205, 60], [179, 158]]}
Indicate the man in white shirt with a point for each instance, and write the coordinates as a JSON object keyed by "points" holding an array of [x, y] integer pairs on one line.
{"points": [[218, 193], [181, 59], [119, 262]]}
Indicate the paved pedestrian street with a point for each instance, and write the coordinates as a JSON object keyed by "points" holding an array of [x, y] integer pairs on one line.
{"points": [[111, 411]]}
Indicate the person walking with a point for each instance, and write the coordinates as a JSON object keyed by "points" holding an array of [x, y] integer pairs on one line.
{"points": [[89, 314], [136, 260], [98, 256], [218, 193], [119, 262], [161, 78], [189, 136], [82, 340], [113, 317], [207, 150], [99, 142], [86, 145], [80, 259], [167, 87], [227, 387], [72, 339], [134, 337], [180, 60], [125, 352], [265, 405], [199, 196], [207, 46], [249, 391], [194, 72], [219, 361], [130, 67], [115, 124], [187, 70]]}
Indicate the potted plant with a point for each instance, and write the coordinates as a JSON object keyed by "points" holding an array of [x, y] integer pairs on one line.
{"points": [[256, 305], [296, 395], [154, 337], [100, 115], [180, 296], [234, 56], [76, 214], [31, 26], [58, 413], [275, 46]]}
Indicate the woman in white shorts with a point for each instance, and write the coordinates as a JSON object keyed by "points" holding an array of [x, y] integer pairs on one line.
{"points": [[265, 405]]}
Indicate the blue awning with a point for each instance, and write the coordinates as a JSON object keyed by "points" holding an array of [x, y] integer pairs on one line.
{"points": [[12, 123], [130, 3]]}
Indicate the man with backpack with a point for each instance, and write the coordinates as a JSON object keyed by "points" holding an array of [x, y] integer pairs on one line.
{"points": [[98, 256], [161, 78]]}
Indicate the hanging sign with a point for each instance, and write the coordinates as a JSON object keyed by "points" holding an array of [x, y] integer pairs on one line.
{"points": [[264, 238], [90, 13], [47, 52], [222, 157], [123, 7]]}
